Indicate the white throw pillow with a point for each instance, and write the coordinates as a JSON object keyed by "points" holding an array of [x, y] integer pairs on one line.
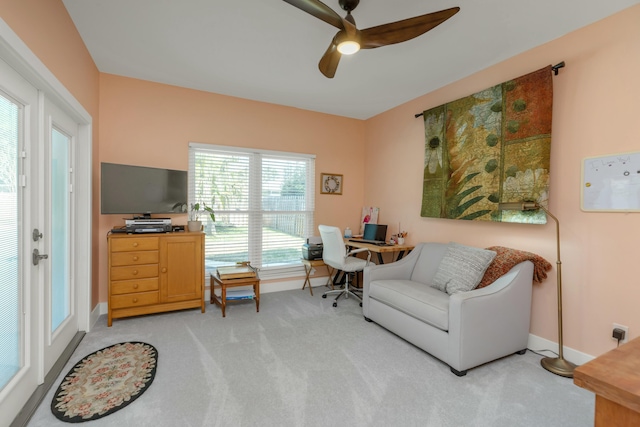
{"points": [[462, 268]]}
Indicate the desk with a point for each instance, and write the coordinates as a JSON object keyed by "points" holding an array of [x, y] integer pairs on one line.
{"points": [[400, 249], [232, 283], [615, 379], [309, 264]]}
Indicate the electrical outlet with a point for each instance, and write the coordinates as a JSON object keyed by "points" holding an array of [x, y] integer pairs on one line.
{"points": [[626, 332]]}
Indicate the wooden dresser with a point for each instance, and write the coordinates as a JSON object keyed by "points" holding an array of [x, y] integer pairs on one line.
{"points": [[155, 273]]}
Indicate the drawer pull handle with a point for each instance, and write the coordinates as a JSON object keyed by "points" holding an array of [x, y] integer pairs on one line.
{"points": [[164, 270], [135, 286], [135, 244], [135, 272], [135, 258], [135, 300]]}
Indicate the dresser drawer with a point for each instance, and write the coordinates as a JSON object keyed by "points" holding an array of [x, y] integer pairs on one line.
{"points": [[134, 258], [134, 272], [132, 286], [134, 244], [134, 300]]}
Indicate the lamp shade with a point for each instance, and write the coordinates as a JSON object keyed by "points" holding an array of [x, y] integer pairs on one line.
{"points": [[518, 206]]}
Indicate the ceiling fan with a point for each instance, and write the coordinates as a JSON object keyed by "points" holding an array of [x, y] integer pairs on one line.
{"points": [[349, 39]]}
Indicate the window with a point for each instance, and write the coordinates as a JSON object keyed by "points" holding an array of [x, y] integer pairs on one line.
{"points": [[263, 203]]}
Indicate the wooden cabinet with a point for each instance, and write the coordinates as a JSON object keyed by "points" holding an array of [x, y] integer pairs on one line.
{"points": [[155, 273]]}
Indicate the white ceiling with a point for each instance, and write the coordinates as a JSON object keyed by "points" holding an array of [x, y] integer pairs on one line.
{"points": [[267, 50]]}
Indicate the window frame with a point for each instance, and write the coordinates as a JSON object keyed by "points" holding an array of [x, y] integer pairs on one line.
{"points": [[255, 212]]}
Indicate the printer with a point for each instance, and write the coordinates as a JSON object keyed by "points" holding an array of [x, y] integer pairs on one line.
{"points": [[312, 250]]}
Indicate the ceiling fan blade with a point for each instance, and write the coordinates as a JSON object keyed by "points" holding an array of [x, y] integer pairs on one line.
{"points": [[329, 61], [407, 29], [319, 10]]}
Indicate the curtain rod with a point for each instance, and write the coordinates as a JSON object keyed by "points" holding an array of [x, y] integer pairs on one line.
{"points": [[555, 70]]}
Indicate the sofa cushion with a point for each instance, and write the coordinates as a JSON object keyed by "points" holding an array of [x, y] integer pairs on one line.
{"points": [[415, 299], [462, 268], [429, 257]]}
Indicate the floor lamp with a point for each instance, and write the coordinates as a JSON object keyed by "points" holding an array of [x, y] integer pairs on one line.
{"points": [[557, 365]]}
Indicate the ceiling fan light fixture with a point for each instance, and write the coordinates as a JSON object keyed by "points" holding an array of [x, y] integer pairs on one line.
{"points": [[348, 47], [349, 39]]}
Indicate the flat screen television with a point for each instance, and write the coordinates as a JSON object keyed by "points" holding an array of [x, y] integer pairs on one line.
{"points": [[139, 190]]}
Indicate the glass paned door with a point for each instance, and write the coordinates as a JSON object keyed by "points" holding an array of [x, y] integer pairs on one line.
{"points": [[11, 357], [19, 299], [60, 295], [41, 213], [60, 185]]}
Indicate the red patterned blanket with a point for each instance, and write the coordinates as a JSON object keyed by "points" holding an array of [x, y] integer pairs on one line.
{"points": [[506, 258]]}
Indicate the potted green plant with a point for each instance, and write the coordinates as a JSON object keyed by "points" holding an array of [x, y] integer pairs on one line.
{"points": [[194, 223]]}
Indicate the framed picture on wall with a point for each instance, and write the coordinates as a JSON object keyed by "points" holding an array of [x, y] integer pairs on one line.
{"points": [[330, 183]]}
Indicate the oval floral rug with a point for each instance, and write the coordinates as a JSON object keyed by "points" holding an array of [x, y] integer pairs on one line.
{"points": [[105, 381]]}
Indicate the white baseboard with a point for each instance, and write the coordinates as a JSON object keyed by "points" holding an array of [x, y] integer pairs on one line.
{"points": [[97, 311], [265, 288], [288, 285], [544, 346]]}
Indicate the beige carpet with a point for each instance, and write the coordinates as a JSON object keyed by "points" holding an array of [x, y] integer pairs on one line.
{"points": [[301, 362]]}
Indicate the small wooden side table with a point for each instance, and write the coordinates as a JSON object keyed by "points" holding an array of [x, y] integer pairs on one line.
{"points": [[232, 283], [309, 264]]}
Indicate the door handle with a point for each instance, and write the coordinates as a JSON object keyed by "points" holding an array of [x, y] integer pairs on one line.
{"points": [[37, 257]]}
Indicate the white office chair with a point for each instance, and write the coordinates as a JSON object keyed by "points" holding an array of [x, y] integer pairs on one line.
{"points": [[334, 254]]}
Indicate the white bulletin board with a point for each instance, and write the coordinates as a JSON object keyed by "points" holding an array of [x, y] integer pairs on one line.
{"points": [[611, 183]]}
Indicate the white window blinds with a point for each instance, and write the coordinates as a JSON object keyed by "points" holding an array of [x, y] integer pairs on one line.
{"points": [[263, 203], [11, 314]]}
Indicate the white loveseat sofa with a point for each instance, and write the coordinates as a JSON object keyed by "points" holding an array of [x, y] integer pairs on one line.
{"points": [[464, 329]]}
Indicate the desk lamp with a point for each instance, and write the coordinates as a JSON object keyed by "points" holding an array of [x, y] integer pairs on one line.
{"points": [[557, 365]]}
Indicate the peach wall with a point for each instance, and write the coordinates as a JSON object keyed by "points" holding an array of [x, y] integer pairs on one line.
{"points": [[151, 124], [47, 29], [381, 159], [595, 112]]}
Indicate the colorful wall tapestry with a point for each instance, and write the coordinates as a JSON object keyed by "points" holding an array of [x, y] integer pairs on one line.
{"points": [[490, 147]]}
